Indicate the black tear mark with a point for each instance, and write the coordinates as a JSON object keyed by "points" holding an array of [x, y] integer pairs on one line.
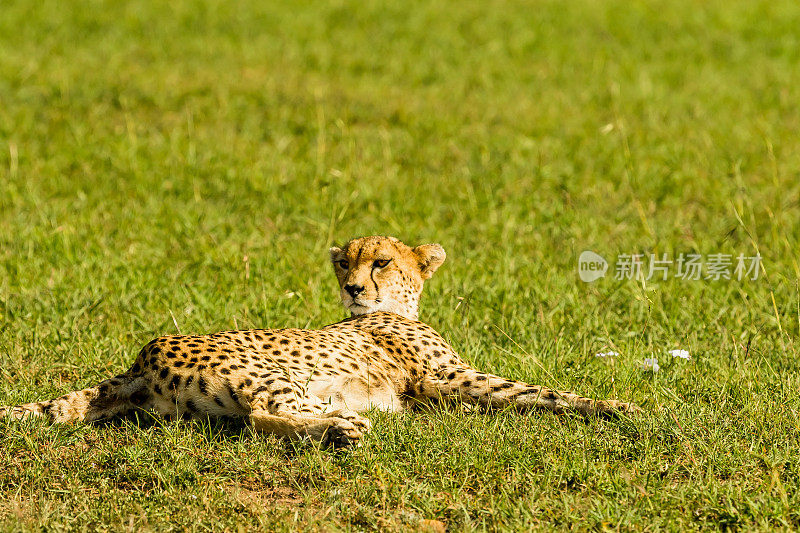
{"points": [[372, 279]]}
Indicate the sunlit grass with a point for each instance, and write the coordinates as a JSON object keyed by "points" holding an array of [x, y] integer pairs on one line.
{"points": [[186, 166]]}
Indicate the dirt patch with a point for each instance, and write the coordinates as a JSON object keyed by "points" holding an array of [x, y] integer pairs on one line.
{"points": [[272, 496]]}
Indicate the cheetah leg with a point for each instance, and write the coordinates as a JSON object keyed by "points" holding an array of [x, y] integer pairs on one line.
{"points": [[287, 410], [471, 386], [109, 398], [331, 430]]}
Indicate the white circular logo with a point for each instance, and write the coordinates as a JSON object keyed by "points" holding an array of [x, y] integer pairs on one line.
{"points": [[591, 266]]}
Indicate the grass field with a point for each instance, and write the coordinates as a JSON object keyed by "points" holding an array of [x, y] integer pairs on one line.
{"points": [[184, 166]]}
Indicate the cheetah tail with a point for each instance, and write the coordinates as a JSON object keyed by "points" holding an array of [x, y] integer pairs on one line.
{"points": [[108, 398]]}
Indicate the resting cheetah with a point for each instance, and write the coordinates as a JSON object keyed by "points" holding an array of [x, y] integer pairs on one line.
{"points": [[313, 383]]}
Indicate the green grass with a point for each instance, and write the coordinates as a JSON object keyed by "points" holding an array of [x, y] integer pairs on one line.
{"points": [[185, 165]]}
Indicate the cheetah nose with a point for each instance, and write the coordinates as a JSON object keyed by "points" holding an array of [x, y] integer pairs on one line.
{"points": [[354, 290]]}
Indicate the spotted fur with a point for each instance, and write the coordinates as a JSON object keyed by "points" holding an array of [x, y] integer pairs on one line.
{"points": [[314, 383]]}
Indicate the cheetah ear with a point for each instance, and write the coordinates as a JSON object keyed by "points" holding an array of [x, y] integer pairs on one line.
{"points": [[334, 251], [430, 257]]}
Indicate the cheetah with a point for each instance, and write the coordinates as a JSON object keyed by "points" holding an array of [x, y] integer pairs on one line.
{"points": [[316, 384]]}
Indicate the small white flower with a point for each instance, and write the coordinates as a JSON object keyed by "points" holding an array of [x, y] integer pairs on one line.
{"points": [[606, 354], [650, 365], [683, 354]]}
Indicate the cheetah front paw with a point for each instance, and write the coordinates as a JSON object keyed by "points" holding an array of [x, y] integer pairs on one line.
{"points": [[351, 416], [613, 408], [630, 408], [342, 433]]}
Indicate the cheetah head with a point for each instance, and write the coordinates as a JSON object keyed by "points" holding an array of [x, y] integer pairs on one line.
{"points": [[383, 274]]}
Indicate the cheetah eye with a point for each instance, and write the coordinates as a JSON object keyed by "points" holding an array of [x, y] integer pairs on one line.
{"points": [[343, 264], [380, 263]]}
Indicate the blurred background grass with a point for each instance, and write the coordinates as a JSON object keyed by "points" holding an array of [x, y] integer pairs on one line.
{"points": [[186, 165]]}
